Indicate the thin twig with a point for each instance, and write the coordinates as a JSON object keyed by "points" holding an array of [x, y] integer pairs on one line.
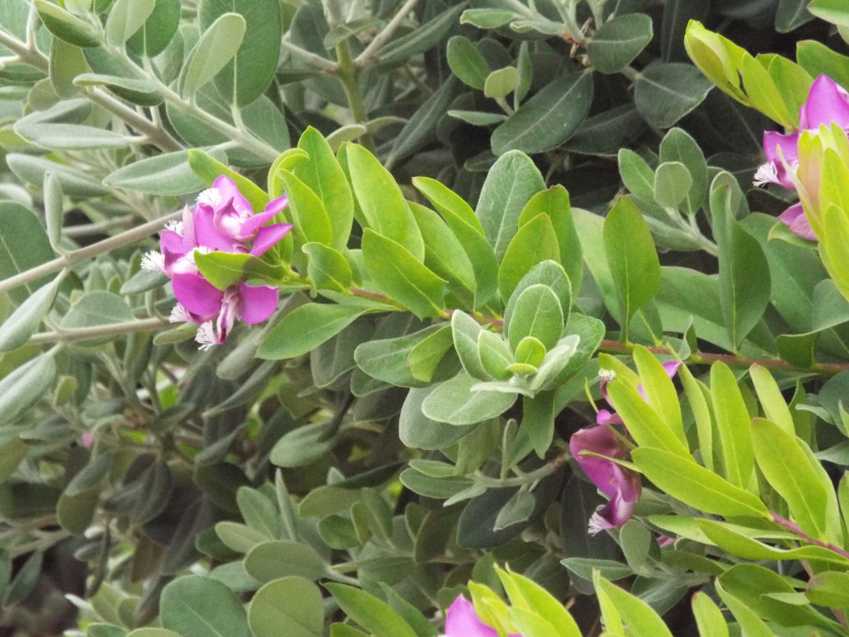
{"points": [[321, 63], [385, 35], [99, 331], [107, 245], [798, 532]]}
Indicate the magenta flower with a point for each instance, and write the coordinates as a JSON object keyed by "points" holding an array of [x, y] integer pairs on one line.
{"points": [[461, 620], [222, 220], [827, 103], [620, 485]]}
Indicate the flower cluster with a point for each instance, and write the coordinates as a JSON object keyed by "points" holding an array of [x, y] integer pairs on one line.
{"points": [[621, 485], [827, 103], [221, 220]]}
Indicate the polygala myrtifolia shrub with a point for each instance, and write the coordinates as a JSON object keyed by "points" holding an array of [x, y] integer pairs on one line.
{"points": [[399, 318]]}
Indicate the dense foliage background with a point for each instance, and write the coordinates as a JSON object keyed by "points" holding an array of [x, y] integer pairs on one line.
{"points": [[507, 214]]}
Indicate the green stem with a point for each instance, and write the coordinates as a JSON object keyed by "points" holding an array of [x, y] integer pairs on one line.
{"points": [[374, 47], [349, 77], [156, 134], [101, 247], [99, 331], [525, 479]]}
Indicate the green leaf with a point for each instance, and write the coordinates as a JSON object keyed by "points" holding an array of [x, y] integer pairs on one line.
{"points": [[125, 18], [324, 175], [371, 613], [421, 39], [467, 62], [168, 174], [744, 276], [223, 269], [708, 616], [327, 268], [619, 41], [66, 26], [527, 594], [272, 560], [664, 93], [733, 423], [444, 253], [660, 390], [216, 48], [383, 206], [487, 18], [311, 220], [832, 11], [537, 313], [679, 146], [291, 605], [25, 320], [535, 241], [695, 486], [425, 356], [67, 62], [789, 470], [455, 402], [818, 59], [632, 259], [399, 274], [510, 184], [461, 220], [466, 335], [672, 184], [644, 424], [495, 355], [70, 136], [771, 399], [97, 308], [556, 204], [549, 118], [158, 31], [208, 168], [23, 245], [26, 385], [250, 69], [501, 82], [305, 328], [202, 607], [637, 615]]}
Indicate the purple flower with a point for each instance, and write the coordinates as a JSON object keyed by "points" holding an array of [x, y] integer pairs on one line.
{"points": [[461, 620], [222, 220], [620, 485], [827, 103], [795, 219]]}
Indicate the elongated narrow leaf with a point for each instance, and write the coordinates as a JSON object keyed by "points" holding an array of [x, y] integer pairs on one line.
{"points": [[398, 273], [305, 328], [216, 48], [547, 119], [696, 486], [631, 257]]}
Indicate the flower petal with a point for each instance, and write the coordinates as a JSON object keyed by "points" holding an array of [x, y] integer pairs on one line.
{"points": [[200, 298], [461, 620], [268, 237], [782, 151], [208, 234], [827, 103], [231, 197], [795, 219], [257, 302], [599, 439], [251, 225]]}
